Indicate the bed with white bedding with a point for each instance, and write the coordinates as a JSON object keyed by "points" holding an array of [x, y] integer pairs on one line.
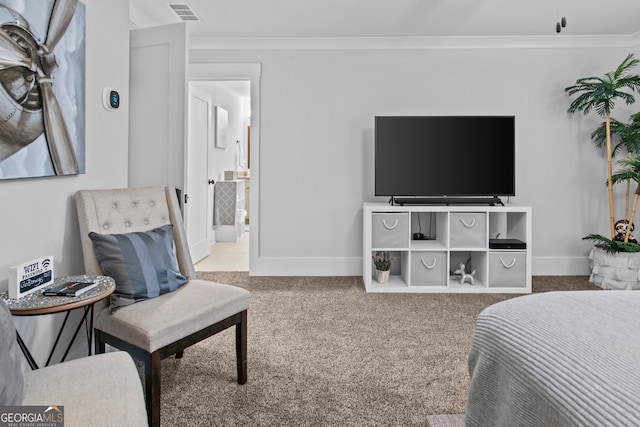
{"points": [[557, 359]]}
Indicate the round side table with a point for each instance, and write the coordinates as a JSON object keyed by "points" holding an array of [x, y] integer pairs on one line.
{"points": [[36, 304]]}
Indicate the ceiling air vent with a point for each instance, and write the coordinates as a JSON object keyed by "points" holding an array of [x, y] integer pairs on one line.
{"points": [[185, 12]]}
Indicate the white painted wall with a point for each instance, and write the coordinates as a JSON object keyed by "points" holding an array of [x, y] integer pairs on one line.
{"points": [[38, 216], [316, 143]]}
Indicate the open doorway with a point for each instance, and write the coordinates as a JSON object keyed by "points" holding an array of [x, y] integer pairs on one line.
{"points": [[229, 174]]}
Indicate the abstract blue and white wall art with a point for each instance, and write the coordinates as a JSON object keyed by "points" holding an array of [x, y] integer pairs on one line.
{"points": [[42, 88]]}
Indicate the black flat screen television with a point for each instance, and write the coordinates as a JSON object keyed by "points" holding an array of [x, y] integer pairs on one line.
{"points": [[444, 156]]}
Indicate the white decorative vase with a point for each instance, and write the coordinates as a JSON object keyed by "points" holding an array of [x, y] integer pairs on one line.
{"points": [[615, 271], [382, 276]]}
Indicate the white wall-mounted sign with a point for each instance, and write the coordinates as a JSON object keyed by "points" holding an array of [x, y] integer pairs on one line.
{"points": [[29, 277]]}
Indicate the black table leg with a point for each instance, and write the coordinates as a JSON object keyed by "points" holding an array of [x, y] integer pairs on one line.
{"points": [[75, 334], [26, 352], [87, 320], [55, 343]]}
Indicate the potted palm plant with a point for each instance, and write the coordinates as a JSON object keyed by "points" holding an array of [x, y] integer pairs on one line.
{"points": [[628, 135], [615, 260]]}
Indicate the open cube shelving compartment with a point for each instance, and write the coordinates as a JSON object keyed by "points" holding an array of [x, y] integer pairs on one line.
{"points": [[453, 235]]}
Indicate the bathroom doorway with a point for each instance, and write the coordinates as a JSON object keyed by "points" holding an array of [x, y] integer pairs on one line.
{"points": [[229, 174]]}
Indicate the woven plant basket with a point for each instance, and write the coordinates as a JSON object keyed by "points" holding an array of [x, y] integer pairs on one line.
{"points": [[615, 271]]}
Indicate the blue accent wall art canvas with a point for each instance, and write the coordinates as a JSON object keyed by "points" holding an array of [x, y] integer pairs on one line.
{"points": [[42, 88]]}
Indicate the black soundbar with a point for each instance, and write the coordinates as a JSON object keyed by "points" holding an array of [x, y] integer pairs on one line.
{"points": [[491, 201], [507, 244]]}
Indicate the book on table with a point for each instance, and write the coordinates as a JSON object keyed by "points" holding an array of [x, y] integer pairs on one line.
{"points": [[72, 288]]}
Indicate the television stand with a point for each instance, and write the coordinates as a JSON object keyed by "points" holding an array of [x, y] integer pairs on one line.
{"points": [[428, 244], [446, 201]]}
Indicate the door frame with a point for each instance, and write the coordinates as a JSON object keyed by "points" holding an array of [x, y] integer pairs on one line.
{"points": [[252, 73]]}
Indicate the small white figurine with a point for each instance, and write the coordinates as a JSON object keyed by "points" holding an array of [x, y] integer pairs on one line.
{"points": [[464, 275]]}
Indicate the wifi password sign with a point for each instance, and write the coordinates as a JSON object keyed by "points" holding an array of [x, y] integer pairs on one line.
{"points": [[30, 276]]}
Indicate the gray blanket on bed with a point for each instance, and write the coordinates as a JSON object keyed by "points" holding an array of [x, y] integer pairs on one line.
{"points": [[557, 359]]}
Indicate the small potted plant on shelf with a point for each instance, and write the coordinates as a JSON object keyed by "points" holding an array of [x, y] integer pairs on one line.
{"points": [[382, 261], [616, 257]]}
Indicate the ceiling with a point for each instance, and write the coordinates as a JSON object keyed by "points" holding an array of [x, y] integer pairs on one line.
{"points": [[395, 18]]}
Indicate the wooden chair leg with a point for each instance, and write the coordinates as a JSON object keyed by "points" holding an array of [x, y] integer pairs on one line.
{"points": [[98, 343], [152, 387], [179, 354], [241, 348]]}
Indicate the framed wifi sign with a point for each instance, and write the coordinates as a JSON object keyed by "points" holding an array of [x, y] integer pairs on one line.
{"points": [[27, 278]]}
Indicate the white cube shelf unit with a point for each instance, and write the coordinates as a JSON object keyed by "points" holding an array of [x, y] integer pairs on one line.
{"points": [[454, 235]]}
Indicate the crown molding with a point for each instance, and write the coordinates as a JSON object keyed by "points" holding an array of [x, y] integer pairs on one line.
{"points": [[399, 43]]}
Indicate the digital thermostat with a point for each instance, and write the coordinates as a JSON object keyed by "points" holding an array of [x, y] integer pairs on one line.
{"points": [[110, 99]]}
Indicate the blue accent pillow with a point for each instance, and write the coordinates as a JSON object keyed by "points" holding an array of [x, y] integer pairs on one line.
{"points": [[142, 263]]}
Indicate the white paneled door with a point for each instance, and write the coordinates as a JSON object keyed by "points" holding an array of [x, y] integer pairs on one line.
{"points": [[199, 210]]}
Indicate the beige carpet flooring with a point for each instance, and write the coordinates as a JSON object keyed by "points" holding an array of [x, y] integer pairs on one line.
{"points": [[322, 352]]}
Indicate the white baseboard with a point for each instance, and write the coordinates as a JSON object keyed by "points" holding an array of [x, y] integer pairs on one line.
{"points": [[352, 266], [561, 266], [272, 266]]}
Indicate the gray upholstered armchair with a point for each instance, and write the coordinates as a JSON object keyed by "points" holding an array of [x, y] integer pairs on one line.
{"points": [[154, 327], [88, 388]]}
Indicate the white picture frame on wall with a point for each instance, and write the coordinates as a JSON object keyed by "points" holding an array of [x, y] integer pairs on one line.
{"points": [[221, 120]]}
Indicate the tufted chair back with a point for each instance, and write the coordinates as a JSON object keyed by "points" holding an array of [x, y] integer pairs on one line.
{"points": [[129, 210]]}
